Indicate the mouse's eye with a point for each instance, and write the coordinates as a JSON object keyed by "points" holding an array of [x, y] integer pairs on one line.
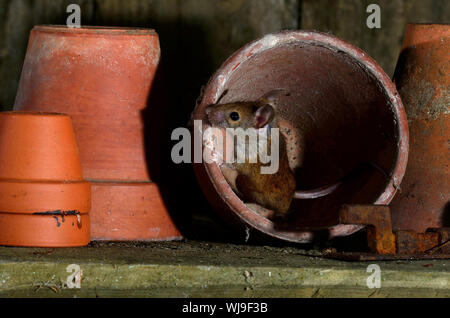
{"points": [[234, 116]]}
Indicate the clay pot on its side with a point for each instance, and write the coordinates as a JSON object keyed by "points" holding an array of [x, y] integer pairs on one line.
{"points": [[44, 200], [102, 77], [342, 111], [422, 77]]}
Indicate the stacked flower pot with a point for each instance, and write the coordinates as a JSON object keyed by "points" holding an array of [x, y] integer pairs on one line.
{"points": [[44, 200], [102, 78]]}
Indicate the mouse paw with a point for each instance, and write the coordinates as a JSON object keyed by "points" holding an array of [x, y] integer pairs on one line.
{"points": [[261, 210], [280, 218]]}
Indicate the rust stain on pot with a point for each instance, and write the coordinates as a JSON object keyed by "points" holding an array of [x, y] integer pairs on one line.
{"points": [[60, 213], [57, 221], [423, 82]]}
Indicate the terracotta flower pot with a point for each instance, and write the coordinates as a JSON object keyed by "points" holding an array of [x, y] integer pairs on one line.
{"points": [[342, 111], [102, 78], [44, 200], [423, 81], [138, 213]]}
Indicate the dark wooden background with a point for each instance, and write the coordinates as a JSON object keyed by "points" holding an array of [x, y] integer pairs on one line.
{"points": [[198, 35]]}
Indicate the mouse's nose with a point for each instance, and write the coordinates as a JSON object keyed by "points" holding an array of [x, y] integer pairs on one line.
{"points": [[208, 110]]}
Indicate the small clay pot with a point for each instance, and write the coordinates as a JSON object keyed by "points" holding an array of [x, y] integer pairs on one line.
{"points": [[422, 77], [341, 111], [44, 200], [102, 77]]}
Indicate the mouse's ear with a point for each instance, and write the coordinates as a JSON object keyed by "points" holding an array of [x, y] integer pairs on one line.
{"points": [[272, 96], [264, 115]]}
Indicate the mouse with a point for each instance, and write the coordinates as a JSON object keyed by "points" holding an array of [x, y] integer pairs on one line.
{"points": [[270, 195]]}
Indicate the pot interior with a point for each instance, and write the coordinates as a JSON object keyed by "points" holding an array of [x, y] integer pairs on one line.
{"points": [[337, 121]]}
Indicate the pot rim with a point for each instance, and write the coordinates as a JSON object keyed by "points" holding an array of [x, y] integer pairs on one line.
{"points": [[33, 113], [214, 90], [428, 24], [417, 33], [89, 29]]}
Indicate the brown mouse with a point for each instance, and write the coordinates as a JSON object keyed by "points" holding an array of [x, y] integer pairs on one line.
{"points": [[271, 191]]}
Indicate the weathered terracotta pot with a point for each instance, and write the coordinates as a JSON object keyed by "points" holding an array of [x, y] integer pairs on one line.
{"points": [[423, 81], [137, 213], [102, 78], [44, 200], [342, 111]]}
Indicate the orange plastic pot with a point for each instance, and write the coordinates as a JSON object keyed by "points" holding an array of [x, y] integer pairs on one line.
{"points": [[342, 111], [102, 77], [423, 81], [44, 200]]}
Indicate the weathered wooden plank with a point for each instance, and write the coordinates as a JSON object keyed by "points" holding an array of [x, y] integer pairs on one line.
{"points": [[347, 19], [203, 269]]}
